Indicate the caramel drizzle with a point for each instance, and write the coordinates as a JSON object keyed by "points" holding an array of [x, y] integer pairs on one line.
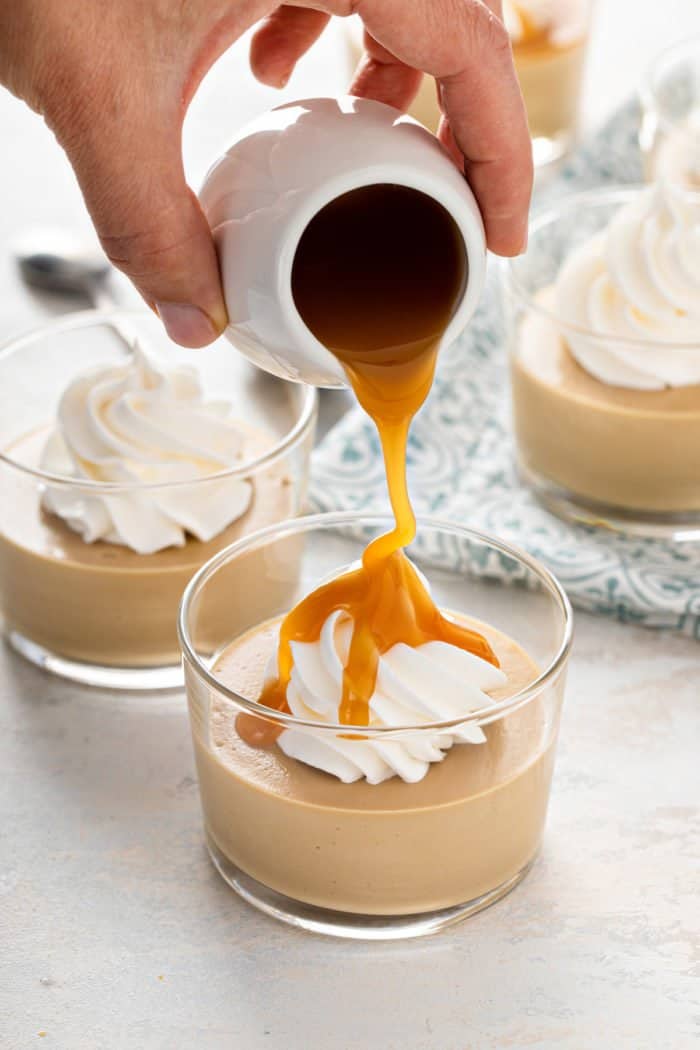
{"points": [[533, 35], [385, 597]]}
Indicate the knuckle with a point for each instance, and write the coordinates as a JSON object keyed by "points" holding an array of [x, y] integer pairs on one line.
{"points": [[488, 30], [149, 252]]}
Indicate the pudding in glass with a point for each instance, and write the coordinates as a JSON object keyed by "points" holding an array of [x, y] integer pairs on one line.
{"points": [[123, 470], [549, 40], [606, 359], [469, 826], [375, 752]]}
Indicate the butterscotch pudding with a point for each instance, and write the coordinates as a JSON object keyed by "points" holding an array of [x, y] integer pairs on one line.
{"points": [[374, 747], [549, 39], [124, 468], [368, 826], [606, 359], [326, 824]]}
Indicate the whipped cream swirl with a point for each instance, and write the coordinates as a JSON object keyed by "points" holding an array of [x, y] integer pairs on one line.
{"points": [[638, 281], [430, 683], [135, 424]]}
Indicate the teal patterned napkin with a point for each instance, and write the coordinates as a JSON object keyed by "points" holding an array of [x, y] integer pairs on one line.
{"points": [[461, 462]]}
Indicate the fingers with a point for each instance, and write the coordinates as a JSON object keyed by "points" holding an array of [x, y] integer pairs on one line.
{"points": [[383, 77], [149, 222], [281, 40], [466, 48]]}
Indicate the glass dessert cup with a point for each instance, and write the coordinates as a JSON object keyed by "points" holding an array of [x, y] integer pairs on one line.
{"points": [[602, 455], [360, 860], [669, 134], [99, 612], [549, 50]]}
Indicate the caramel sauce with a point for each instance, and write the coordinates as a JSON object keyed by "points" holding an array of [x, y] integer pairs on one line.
{"points": [[376, 277], [533, 37]]}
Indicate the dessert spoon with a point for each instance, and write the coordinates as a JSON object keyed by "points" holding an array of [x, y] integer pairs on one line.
{"points": [[54, 261]]}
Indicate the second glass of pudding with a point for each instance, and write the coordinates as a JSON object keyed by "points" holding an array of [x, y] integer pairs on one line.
{"points": [[433, 810], [605, 360], [550, 41], [126, 462]]}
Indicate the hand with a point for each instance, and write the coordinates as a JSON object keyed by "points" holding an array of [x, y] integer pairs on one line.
{"points": [[114, 80]]}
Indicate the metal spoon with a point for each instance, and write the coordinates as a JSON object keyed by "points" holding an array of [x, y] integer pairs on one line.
{"points": [[55, 261]]}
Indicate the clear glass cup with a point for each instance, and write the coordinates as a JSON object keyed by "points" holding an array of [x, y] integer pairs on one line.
{"points": [[101, 613], [549, 50], [550, 42], [669, 135], [594, 453], [392, 860]]}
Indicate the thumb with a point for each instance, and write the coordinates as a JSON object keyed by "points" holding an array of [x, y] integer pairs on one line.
{"points": [[149, 221]]}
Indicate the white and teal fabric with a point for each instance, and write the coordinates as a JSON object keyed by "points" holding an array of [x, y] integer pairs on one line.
{"points": [[461, 461]]}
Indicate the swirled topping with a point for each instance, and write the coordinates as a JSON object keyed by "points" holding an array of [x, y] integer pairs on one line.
{"points": [[639, 282], [136, 425], [433, 682]]}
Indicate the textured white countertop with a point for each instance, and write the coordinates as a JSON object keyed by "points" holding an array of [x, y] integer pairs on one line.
{"points": [[115, 931]]}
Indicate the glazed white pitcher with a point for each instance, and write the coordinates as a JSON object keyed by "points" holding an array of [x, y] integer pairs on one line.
{"points": [[280, 171]]}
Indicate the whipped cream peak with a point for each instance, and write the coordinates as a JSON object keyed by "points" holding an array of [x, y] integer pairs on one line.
{"points": [[136, 425], [633, 291], [434, 682]]}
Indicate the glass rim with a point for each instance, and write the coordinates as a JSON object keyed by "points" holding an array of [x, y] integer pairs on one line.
{"points": [[649, 86], [309, 522], [543, 217], [87, 318]]}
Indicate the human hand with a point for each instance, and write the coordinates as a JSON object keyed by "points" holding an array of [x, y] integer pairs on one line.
{"points": [[114, 81]]}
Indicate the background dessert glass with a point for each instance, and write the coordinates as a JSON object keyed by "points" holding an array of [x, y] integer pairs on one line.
{"points": [[600, 454], [549, 40], [102, 613], [669, 135], [374, 861]]}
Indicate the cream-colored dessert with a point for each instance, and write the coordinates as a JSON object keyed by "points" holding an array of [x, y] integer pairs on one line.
{"points": [[609, 410], [470, 824], [549, 49], [98, 579]]}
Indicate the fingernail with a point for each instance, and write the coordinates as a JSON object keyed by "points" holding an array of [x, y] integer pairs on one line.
{"points": [[187, 324]]}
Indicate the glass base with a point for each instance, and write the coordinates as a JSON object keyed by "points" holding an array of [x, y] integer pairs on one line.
{"points": [[132, 679], [677, 528], [348, 924]]}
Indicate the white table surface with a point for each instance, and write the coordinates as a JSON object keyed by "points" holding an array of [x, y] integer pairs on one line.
{"points": [[115, 931]]}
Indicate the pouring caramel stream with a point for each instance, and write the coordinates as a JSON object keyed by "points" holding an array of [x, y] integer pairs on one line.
{"points": [[376, 278]]}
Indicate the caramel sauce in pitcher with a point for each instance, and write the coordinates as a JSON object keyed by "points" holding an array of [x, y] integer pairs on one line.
{"points": [[376, 277]]}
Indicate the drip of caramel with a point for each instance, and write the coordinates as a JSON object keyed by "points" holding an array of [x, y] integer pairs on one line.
{"points": [[376, 278]]}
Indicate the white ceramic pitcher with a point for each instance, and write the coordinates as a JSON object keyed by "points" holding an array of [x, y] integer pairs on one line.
{"points": [[280, 171]]}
